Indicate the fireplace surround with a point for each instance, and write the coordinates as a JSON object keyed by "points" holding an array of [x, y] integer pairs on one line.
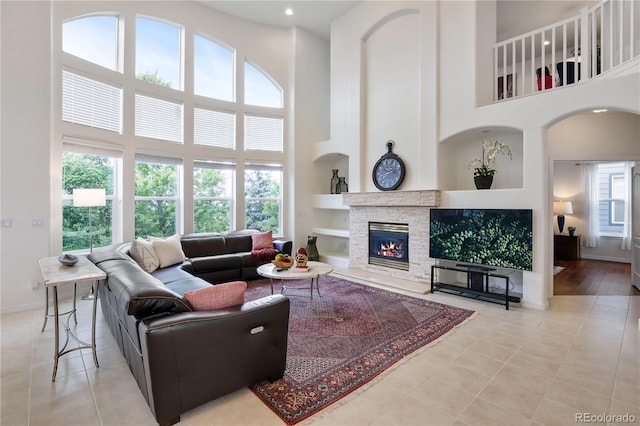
{"points": [[396, 207]]}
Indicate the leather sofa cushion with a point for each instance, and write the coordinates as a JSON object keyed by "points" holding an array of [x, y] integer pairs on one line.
{"points": [[216, 263], [200, 245], [239, 243], [179, 280], [135, 291]]}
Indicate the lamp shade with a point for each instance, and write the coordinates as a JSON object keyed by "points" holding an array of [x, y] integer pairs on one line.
{"points": [[89, 197], [562, 207]]}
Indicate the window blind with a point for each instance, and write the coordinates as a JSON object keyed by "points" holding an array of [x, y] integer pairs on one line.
{"points": [[151, 158], [82, 146], [263, 133], [214, 128], [159, 119], [203, 164], [91, 102]]}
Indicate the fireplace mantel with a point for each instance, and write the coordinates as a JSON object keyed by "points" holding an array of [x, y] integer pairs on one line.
{"points": [[428, 198]]}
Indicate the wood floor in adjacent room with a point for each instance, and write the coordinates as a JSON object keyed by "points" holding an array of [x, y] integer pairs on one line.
{"points": [[593, 278]]}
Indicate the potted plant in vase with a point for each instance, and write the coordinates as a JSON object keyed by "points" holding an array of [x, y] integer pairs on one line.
{"points": [[572, 230], [483, 169]]}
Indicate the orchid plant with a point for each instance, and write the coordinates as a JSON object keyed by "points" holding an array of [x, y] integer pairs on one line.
{"points": [[484, 166]]}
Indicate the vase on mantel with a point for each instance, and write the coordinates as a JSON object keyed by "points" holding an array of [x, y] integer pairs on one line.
{"points": [[334, 181], [483, 182], [342, 186]]}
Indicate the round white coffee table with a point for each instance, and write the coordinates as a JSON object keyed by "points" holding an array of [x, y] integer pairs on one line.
{"points": [[314, 271]]}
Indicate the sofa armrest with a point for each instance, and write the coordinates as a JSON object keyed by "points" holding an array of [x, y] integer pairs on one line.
{"points": [[194, 357], [283, 246]]}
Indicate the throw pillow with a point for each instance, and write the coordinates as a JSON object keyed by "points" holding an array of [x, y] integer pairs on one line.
{"points": [[169, 250], [262, 240], [217, 296], [144, 254]]}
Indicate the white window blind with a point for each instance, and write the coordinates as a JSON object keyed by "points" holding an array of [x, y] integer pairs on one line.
{"points": [[159, 119], [263, 133], [214, 128], [91, 103]]}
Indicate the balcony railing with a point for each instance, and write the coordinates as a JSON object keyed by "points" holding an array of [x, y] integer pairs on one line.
{"points": [[598, 40]]}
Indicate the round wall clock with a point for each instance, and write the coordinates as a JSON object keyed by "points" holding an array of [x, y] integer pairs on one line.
{"points": [[388, 173]]}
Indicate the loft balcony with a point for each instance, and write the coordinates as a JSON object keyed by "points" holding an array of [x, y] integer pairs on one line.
{"points": [[599, 40]]}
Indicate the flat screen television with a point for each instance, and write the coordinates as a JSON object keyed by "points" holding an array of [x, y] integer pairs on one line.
{"points": [[492, 237]]}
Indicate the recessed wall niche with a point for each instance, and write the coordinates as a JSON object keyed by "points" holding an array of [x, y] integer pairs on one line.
{"points": [[456, 152]]}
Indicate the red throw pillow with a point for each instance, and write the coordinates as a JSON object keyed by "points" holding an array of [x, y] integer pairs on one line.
{"points": [[262, 240], [217, 296]]}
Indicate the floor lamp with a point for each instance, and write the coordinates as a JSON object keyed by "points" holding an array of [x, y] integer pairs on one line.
{"points": [[89, 198], [561, 208]]}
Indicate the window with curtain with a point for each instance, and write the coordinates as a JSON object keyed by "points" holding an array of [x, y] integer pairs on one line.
{"points": [[263, 197], [612, 198], [213, 200], [87, 167], [157, 196], [608, 202]]}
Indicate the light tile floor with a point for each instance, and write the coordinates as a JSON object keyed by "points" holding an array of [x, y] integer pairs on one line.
{"points": [[516, 367]]}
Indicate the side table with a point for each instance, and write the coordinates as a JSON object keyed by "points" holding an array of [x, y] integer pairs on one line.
{"points": [[566, 247], [56, 274]]}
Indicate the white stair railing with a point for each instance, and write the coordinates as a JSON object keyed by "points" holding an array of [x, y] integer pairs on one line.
{"points": [[574, 50]]}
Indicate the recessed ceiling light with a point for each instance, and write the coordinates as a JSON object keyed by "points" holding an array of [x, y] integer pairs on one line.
{"points": [[599, 111], [288, 11]]}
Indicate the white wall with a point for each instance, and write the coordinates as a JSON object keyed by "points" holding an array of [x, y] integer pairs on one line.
{"points": [[31, 132], [451, 70]]}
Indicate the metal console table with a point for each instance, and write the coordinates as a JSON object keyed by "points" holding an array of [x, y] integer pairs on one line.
{"points": [[477, 285], [56, 274]]}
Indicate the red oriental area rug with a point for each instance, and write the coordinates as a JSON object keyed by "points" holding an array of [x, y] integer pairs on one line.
{"points": [[344, 339]]}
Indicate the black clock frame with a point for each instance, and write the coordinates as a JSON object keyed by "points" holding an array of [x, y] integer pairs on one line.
{"points": [[389, 155]]}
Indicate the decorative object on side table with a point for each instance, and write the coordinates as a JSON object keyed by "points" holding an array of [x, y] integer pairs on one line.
{"points": [[572, 230], [389, 170], [484, 168], [342, 186], [312, 250], [68, 259], [301, 258], [334, 181], [561, 208]]}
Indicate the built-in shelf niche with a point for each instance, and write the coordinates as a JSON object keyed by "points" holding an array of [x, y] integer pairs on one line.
{"points": [[459, 150], [323, 167], [331, 216]]}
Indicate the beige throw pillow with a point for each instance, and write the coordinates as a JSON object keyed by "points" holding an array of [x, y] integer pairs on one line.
{"points": [[144, 254], [169, 250]]}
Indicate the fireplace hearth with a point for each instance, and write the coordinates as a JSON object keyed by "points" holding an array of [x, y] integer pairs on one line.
{"points": [[389, 245]]}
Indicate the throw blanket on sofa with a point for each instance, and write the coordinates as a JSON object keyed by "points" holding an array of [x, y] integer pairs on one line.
{"points": [[264, 255]]}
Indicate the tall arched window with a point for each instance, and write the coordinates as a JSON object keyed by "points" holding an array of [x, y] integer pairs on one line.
{"points": [[221, 132]]}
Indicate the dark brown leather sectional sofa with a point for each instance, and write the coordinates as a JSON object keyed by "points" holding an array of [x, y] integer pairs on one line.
{"points": [[181, 358]]}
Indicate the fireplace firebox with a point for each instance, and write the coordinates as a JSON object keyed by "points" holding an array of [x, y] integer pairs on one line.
{"points": [[389, 245]]}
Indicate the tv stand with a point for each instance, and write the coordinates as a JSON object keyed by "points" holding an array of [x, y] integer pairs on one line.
{"points": [[477, 285]]}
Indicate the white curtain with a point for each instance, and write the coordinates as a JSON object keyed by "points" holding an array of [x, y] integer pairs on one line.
{"points": [[591, 217], [626, 233]]}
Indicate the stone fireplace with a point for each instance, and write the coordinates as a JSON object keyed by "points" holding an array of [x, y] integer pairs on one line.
{"points": [[408, 208]]}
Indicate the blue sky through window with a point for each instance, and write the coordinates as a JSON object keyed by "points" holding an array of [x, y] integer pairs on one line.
{"points": [[259, 89], [158, 50], [213, 69], [93, 38]]}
